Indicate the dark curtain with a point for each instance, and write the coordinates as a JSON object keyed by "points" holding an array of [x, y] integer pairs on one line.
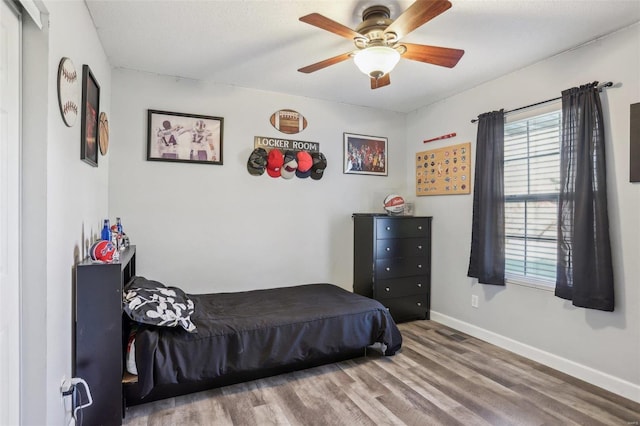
{"points": [[584, 272], [486, 262]]}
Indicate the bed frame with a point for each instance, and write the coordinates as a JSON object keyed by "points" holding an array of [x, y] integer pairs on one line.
{"points": [[132, 392], [248, 335]]}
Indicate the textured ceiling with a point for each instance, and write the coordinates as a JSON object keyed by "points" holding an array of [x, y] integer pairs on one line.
{"points": [[261, 44]]}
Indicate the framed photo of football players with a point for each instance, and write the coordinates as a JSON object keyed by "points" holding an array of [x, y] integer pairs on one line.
{"points": [[365, 155], [90, 112], [184, 138]]}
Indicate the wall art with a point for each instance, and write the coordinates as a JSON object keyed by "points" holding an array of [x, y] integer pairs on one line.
{"points": [[444, 171], [90, 112], [365, 155], [186, 138], [634, 143]]}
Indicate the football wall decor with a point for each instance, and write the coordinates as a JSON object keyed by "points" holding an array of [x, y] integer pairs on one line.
{"points": [[288, 121]]}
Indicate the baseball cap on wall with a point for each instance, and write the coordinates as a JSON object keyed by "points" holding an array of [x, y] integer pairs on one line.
{"points": [[319, 164], [275, 159], [304, 164], [257, 162], [290, 165]]}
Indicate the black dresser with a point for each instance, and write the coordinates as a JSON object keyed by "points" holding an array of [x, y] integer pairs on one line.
{"points": [[392, 263]]}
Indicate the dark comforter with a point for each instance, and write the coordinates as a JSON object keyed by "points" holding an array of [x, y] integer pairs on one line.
{"points": [[262, 329]]}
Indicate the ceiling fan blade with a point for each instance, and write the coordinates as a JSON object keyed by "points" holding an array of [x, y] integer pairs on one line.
{"points": [[327, 62], [377, 83], [330, 25], [442, 56], [420, 12]]}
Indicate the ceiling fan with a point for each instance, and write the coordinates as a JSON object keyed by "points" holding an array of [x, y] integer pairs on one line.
{"points": [[377, 40]]}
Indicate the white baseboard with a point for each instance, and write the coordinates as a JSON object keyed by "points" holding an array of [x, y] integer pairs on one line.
{"points": [[598, 378]]}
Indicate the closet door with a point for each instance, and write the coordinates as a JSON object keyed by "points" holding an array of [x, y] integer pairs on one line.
{"points": [[10, 30]]}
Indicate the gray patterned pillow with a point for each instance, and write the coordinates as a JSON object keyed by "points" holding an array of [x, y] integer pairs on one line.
{"points": [[158, 305]]}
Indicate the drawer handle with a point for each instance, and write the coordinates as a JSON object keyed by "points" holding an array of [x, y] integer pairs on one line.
{"points": [[387, 269], [387, 289], [388, 249], [388, 228], [419, 247], [420, 227], [419, 285], [419, 266], [419, 303]]}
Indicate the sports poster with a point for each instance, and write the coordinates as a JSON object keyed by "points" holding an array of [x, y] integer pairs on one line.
{"points": [[444, 171]]}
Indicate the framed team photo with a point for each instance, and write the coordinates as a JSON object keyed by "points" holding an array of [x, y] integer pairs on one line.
{"points": [[184, 138], [89, 119], [365, 155]]}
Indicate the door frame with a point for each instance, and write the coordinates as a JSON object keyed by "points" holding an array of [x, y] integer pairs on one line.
{"points": [[10, 216]]}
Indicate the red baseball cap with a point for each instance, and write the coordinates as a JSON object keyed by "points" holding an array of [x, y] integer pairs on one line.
{"points": [[275, 159]]}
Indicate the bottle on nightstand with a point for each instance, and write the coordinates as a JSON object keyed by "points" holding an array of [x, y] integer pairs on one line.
{"points": [[106, 231]]}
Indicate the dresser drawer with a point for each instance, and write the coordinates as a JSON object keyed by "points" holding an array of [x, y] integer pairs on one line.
{"points": [[400, 287], [408, 308], [402, 247], [401, 267], [401, 228]]}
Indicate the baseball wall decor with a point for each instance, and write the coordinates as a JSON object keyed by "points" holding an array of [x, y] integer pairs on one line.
{"points": [[68, 91], [444, 171], [450, 135], [288, 121], [103, 133]]}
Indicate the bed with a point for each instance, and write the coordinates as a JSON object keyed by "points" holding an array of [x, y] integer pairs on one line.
{"points": [[219, 339]]}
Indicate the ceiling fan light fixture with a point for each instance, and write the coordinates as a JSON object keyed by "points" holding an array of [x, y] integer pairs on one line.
{"points": [[376, 61]]}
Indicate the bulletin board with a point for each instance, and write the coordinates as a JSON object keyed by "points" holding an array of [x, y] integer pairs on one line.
{"points": [[444, 171]]}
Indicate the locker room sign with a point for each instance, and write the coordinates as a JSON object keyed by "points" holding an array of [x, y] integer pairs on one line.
{"points": [[285, 144]]}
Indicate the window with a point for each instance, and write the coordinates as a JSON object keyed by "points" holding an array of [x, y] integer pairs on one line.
{"points": [[531, 186]]}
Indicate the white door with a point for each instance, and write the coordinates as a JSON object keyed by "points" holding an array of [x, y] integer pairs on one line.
{"points": [[10, 47]]}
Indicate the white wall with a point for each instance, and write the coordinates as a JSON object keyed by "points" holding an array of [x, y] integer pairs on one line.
{"points": [[64, 198], [599, 346], [211, 228]]}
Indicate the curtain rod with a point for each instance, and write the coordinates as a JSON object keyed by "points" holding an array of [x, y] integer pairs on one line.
{"points": [[600, 88]]}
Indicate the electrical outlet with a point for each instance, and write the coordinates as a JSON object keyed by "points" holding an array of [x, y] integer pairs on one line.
{"points": [[474, 300]]}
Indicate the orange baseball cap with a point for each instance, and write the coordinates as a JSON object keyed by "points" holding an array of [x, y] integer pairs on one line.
{"points": [[304, 164]]}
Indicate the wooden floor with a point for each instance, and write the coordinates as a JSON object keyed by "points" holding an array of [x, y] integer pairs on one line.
{"points": [[441, 377]]}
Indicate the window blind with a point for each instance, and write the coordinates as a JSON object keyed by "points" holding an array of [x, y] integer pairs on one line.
{"points": [[531, 186]]}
